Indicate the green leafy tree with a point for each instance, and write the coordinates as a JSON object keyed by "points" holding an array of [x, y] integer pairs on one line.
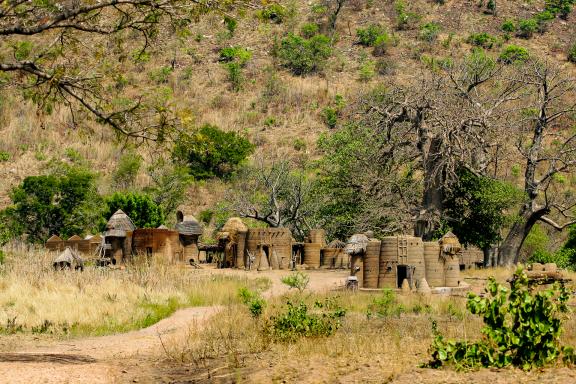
{"points": [[169, 185], [127, 170], [475, 208], [211, 152], [63, 204], [143, 211]]}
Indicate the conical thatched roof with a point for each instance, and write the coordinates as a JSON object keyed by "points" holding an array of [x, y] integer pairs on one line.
{"points": [[356, 244], [74, 238], [450, 244], [234, 224], [68, 256], [162, 227], [119, 224], [54, 239], [189, 226]]}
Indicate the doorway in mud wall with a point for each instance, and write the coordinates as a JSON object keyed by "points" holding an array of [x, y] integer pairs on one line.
{"points": [[266, 251], [401, 274]]}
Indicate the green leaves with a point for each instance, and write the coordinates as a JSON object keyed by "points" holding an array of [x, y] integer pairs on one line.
{"points": [[522, 328]]}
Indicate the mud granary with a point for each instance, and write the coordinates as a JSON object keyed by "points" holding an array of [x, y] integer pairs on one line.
{"points": [[275, 248], [121, 241], [386, 263]]}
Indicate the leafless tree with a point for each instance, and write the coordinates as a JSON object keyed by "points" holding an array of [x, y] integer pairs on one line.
{"points": [[546, 142]]}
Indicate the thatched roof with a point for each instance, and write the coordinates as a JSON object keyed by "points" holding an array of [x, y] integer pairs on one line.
{"points": [[189, 226], [68, 256], [162, 227], [54, 239], [336, 244], [119, 224], [356, 244], [234, 224], [450, 244], [74, 238]]}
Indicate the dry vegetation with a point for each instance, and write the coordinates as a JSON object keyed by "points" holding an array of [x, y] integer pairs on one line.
{"points": [[367, 348], [36, 299]]}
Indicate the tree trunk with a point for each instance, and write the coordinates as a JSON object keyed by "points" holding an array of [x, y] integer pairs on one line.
{"points": [[510, 248], [432, 202]]}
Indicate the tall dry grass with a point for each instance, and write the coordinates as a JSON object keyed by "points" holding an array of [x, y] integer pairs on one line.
{"points": [[36, 298]]}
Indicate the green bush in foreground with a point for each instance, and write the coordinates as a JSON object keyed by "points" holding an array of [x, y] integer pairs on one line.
{"points": [[513, 54], [304, 56], [522, 329]]}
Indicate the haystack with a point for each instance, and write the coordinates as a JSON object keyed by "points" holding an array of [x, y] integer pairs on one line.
{"points": [[357, 244], [119, 224], [68, 259]]}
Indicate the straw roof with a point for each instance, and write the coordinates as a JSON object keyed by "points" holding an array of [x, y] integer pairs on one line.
{"points": [[356, 244], [54, 239], [68, 256], [74, 238], [336, 244], [189, 226], [119, 224], [162, 227], [234, 224]]}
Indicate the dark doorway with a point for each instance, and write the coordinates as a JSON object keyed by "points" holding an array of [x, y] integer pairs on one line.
{"points": [[149, 252], [401, 274]]}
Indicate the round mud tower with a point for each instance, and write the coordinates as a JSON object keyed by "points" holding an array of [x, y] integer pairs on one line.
{"points": [[312, 255], [433, 264], [372, 264]]}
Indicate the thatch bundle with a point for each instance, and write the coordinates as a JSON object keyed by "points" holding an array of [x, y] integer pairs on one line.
{"points": [[356, 245]]}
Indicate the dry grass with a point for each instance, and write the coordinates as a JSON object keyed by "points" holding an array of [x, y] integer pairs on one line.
{"points": [[364, 349], [101, 301]]}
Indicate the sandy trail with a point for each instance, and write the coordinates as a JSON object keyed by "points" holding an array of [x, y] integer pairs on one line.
{"points": [[115, 358]]}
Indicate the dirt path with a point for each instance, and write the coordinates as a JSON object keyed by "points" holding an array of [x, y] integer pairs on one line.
{"points": [[117, 358]]}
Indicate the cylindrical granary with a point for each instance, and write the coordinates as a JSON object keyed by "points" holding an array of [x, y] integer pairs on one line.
{"points": [[451, 271], [433, 264], [312, 255], [329, 257], [388, 262], [317, 236], [371, 263], [240, 248], [416, 258]]}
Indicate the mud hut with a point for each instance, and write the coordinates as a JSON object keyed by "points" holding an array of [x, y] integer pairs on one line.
{"points": [[68, 259], [189, 231], [270, 248], [232, 237], [118, 235], [158, 244], [55, 243]]}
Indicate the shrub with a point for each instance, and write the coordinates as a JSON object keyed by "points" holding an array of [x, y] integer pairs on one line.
{"points": [[310, 29], [210, 152], [522, 328], [512, 54], [330, 117], [235, 54], [297, 280], [272, 12], [252, 300], [564, 257], [405, 19], [483, 40], [508, 26], [385, 305], [429, 32], [367, 36], [367, 70], [235, 76], [303, 56], [4, 156], [572, 53], [231, 24], [526, 28], [298, 322], [160, 75]]}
